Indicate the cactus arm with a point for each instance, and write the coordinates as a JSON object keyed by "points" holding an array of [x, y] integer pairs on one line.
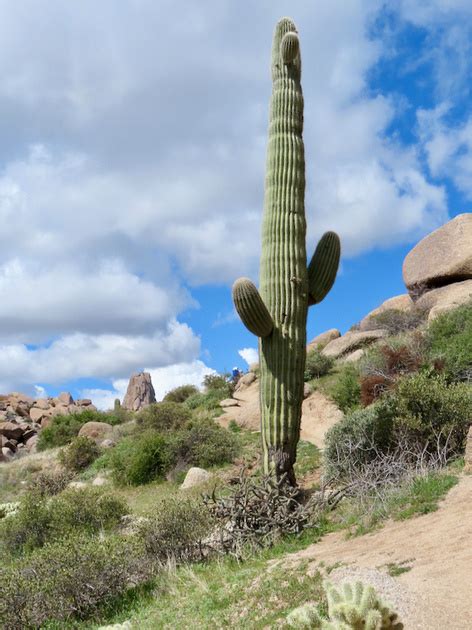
{"points": [[323, 267], [251, 308]]}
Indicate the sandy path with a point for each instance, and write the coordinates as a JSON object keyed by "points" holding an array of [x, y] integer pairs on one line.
{"points": [[318, 414], [438, 548]]}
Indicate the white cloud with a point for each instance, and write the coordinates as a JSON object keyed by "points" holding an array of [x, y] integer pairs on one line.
{"points": [[163, 380], [250, 355]]}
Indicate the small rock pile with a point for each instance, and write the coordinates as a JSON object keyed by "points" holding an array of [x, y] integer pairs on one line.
{"points": [[21, 417]]}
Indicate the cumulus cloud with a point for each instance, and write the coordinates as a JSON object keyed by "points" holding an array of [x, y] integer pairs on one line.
{"points": [[250, 355]]}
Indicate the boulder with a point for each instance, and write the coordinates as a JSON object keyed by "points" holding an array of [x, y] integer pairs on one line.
{"points": [[442, 257], [32, 443], [195, 477], [83, 402], [108, 443], [97, 431], [245, 381], [140, 392], [468, 452], [320, 341], [65, 398], [402, 303], [351, 341], [37, 415], [11, 430], [354, 356], [7, 454], [445, 298], [229, 402], [42, 403]]}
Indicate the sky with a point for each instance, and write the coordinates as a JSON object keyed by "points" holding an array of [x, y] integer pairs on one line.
{"points": [[132, 159]]}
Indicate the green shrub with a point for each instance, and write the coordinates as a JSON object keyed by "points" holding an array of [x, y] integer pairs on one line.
{"points": [[180, 394], [395, 321], [204, 443], [215, 381], [64, 428], [69, 579], [49, 483], [346, 392], [449, 341], [431, 413], [80, 453], [208, 401], [164, 416], [357, 440], [140, 459], [40, 519], [317, 364], [177, 529]]}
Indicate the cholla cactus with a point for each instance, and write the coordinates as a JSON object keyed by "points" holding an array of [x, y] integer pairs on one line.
{"points": [[350, 607], [277, 314]]}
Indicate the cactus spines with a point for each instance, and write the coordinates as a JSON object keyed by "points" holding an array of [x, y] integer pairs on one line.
{"points": [[277, 313], [251, 308], [323, 267]]}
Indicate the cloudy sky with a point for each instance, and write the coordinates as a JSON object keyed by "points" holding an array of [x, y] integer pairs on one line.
{"points": [[132, 167]]}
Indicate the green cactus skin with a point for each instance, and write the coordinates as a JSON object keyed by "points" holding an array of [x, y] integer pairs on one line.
{"points": [[277, 315]]}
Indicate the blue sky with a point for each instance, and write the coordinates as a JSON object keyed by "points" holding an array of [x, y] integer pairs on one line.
{"points": [[132, 168]]}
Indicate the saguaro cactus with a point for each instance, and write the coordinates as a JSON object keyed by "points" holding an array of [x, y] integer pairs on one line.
{"points": [[277, 312]]}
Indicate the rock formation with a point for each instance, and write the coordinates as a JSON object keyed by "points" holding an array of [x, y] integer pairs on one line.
{"points": [[140, 392], [320, 341]]}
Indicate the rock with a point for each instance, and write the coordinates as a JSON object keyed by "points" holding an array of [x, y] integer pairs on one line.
{"points": [[83, 402], [77, 484], [446, 298], [306, 390], [97, 431], [402, 303], [32, 443], [108, 443], [140, 392], [195, 477], [42, 403], [60, 410], [468, 452], [443, 257], [351, 341], [229, 402], [353, 357], [117, 626], [320, 341], [37, 415], [8, 454], [100, 481], [65, 398], [11, 430], [245, 381]]}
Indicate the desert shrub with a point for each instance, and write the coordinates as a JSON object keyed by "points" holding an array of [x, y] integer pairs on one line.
{"points": [[357, 440], [176, 530], [395, 321], [80, 453], [164, 416], [449, 339], [49, 483], [180, 394], [204, 443], [215, 381], [64, 428], [346, 391], [433, 414], [401, 355], [139, 459], [40, 520], [372, 387], [69, 579], [317, 364], [208, 401]]}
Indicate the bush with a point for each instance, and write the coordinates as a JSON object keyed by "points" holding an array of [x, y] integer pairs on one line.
{"points": [[164, 416], [208, 401], [80, 453], [215, 381], [180, 394], [204, 443], [40, 520], [372, 387], [357, 440], [69, 579], [47, 484], [431, 413], [138, 460], [317, 364], [395, 321], [449, 339], [346, 391], [177, 530], [65, 428]]}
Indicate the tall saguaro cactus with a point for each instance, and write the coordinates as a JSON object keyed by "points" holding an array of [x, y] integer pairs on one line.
{"points": [[277, 312]]}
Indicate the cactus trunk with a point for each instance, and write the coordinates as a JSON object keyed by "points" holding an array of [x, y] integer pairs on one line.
{"points": [[278, 312]]}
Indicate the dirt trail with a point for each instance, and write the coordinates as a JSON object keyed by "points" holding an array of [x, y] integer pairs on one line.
{"points": [[436, 546], [318, 414]]}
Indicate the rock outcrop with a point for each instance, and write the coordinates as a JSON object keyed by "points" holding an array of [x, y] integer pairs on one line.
{"points": [[320, 341], [96, 431], [21, 417], [402, 303], [140, 392], [351, 341], [443, 257], [195, 477], [445, 298]]}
